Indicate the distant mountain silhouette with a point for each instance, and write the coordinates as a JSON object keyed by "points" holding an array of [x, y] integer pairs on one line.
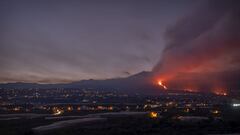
{"points": [[137, 83], [142, 83]]}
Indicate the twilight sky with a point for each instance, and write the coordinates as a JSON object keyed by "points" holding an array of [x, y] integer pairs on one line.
{"points": [[62, 41]]}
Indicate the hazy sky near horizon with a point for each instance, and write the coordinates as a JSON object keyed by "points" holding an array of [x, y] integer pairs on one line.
{"points": [[63, 41]]}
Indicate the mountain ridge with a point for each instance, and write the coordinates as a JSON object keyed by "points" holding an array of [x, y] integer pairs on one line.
{"points": [[139, 82]]}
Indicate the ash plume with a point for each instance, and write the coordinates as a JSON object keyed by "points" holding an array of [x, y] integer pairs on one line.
{"points": [[205, 42]]}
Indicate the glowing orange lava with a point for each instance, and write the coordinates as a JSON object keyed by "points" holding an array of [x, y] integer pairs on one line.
{"points": [[220, 92], [190, 90], [162, 85]]}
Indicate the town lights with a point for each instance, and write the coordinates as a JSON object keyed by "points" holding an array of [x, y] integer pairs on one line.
{"points": [[57, 111], [153, 114], [236, 105]]}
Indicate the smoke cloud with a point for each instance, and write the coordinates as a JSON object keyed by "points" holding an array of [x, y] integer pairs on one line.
{"points": [[203, 46]]}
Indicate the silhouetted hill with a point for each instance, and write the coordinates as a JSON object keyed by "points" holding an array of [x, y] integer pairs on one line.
{"points": [[138, 83]]}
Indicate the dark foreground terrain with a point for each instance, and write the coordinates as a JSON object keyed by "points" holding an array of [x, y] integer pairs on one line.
{"points": [[136, 126], [125, 125], [85, 112]]}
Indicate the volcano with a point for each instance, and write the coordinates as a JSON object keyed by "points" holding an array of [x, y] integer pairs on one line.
{"points": [[144, 83]]}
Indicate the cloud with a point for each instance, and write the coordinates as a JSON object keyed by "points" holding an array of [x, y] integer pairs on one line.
{"points": [[205, 41], [62, 40]]}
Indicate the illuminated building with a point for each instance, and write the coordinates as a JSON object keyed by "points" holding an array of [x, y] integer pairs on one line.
{"points": [[153, 114]]}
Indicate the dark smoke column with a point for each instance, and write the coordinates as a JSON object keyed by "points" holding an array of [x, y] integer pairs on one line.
{"points": [[204, 42]]}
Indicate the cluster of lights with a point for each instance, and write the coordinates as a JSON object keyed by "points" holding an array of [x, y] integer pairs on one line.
{"points": [[215, 111], [221, 93], [57, 111], [153, 114], [236, 105]]}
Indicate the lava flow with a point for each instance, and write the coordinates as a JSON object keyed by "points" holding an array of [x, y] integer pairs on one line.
{"points": [[220, 92], [162, 85]]}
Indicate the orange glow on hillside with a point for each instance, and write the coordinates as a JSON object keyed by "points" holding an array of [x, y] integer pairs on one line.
{"points": [[220, 92], [160, 83], [190, 90]]}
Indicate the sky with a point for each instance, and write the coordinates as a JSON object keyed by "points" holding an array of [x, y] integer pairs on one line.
{"points": [[52, 41]]}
